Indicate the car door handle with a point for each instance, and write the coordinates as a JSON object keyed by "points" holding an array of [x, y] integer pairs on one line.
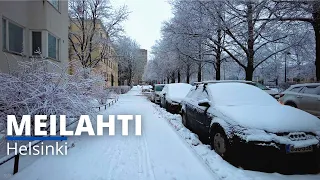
{"points": [[299, 96]]}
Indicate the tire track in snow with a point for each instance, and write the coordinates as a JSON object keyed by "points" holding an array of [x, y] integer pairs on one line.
{"points": [[146, 162]]}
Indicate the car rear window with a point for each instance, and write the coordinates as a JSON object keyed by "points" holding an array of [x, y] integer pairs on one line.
{"points": [[159, 88]]}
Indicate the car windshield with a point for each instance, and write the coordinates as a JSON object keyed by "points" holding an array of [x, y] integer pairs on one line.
{"points": [[159, 88], [237, 94]]}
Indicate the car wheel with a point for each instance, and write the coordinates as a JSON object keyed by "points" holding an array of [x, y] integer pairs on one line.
{"points": [[220, 142], [185, 120]]}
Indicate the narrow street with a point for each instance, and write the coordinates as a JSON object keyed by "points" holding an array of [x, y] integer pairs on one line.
{"points": [[158, 154]]}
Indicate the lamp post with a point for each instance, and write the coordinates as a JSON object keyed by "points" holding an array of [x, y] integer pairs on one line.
{"points": [[285, 66]]}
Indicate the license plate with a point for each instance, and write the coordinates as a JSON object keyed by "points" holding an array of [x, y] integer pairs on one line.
{"points": [[292, 149]]}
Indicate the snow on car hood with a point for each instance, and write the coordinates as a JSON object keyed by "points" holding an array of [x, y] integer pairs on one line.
{"points": [[274, 119]]}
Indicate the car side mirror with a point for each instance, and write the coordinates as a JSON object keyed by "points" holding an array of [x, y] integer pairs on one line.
{"points": [[164, 94], [204, 104]]}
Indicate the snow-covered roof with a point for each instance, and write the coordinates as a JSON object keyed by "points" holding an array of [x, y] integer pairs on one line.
{"points": [[178, 91], [239, 94], [223, 81]]}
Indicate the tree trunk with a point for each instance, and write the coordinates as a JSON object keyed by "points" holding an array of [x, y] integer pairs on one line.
{"points": [[173, 79], [199, 71], [218, 56], [188, 74], [168, 80], [250, 53], [179, 76], [218, 70], [316, 27], [249, 73]]}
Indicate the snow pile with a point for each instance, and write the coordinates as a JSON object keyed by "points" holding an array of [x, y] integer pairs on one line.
{"points": [[218, 166], [177, 91]]}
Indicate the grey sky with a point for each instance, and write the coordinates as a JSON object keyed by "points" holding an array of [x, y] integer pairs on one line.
{"points": [[145, 19]]}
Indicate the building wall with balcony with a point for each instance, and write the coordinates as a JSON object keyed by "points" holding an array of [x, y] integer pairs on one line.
{"points": [[27, 26]]}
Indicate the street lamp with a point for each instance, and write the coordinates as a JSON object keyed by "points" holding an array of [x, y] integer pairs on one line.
{"points": [[285, 66]]}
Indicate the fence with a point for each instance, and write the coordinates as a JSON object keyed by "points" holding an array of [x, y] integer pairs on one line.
{"points": [[108, 103], [17, 156]]}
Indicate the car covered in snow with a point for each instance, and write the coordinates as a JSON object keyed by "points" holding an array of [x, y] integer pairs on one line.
{"points": [[146, 88], [243, 124], [155, 96], [172, 94]]}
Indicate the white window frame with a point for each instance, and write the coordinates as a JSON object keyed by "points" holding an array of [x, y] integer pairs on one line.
{"points": [[57, 47], [7, 40]]}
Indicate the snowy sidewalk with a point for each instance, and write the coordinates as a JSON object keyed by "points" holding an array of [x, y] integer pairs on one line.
{"points": [[158, 154]]}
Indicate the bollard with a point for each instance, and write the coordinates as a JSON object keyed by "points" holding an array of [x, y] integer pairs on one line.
{"points": [[16, 164]]}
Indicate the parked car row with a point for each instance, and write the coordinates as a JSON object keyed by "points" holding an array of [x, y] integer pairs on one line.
{"points": [[247, 126]]}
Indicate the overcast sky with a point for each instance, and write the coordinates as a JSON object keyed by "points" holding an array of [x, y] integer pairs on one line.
{"points": [[145, 19]]}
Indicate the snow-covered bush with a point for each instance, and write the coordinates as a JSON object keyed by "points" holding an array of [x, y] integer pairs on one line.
{"points": [[34, 89]]}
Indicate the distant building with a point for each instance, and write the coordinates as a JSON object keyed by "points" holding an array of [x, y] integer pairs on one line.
{"points": [[28, 26], [108, 66], [142, 62]]}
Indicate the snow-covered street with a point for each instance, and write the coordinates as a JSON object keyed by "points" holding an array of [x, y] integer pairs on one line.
{"points": [[158, 154], [165, 151]]}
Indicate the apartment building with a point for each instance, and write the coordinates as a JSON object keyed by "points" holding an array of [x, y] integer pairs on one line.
{"points": [[141, 64], [29, 26], [107, 65]]}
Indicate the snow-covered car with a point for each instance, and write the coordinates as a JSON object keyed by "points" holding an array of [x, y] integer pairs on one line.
{"points": [[270, 91], [146, 88], [242, 123], [172, 94], [155, 96], [148, 93]]}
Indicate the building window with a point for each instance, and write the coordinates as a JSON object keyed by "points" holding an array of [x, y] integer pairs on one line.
{"points": [[4, 34], [36, 43], [14, 40], [53, 47], [55, 3]]}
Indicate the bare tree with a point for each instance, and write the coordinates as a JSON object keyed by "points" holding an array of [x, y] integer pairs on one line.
{"points": [[304, 11], [88, 18], [127, 51]]}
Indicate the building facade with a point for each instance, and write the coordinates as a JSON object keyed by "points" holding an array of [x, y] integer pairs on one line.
{"points": [[28, 27], [141, 64], [107, 64]]}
